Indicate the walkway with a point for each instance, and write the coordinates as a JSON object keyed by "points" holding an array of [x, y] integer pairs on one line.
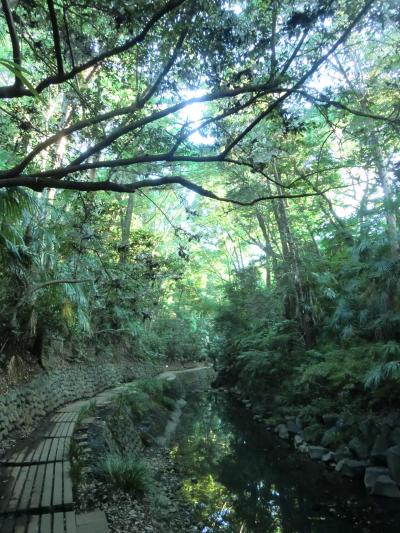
{"points": [[35, 482], [36, 487]]}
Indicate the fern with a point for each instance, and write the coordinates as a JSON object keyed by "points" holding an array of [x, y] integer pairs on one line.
{"points": [[382, 373]]}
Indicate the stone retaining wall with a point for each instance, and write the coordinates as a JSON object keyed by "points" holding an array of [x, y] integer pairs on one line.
{"points": [[24, 407]]}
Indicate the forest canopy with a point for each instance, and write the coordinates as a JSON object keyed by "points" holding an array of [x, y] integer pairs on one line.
{"points": [[261, 141]]}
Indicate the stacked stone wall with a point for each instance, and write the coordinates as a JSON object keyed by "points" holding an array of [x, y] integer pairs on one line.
{"points": [[24, 407]]}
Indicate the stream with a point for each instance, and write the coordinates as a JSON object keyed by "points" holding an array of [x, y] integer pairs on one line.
{"points": [[240, 478]]}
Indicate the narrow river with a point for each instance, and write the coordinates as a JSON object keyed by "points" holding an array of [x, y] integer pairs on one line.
{"points": [[241, 479]]}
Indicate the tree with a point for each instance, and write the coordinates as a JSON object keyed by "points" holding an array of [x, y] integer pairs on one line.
{"points": [[126, 77]]}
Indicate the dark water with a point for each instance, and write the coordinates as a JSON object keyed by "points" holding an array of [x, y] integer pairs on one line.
{"points": [[240, 478]]}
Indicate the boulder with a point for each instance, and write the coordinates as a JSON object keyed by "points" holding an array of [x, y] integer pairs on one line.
{"points": [[393, 461], [379, 449], [330, 437], [317, 452], [371, 475], [368, 430], [351, 467], [303, 448], [395, 436], [342, 452], [313, 433], [330, 419], [393, 419], [385, 486], [282, 431], [298, 440], [293, 427], [328, 458], [358, 448]]}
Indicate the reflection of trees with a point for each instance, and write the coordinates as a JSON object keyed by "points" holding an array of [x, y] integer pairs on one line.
{"points": [[230, 493], [245, 481]]}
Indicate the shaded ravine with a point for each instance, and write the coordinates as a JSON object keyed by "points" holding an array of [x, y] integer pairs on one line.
{"points": [[240, 478]]}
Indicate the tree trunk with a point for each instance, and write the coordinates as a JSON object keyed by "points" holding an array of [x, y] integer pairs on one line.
{"points": [[126, 230]]}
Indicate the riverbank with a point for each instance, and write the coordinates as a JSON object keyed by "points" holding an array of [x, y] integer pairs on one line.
{"points": [[360, 446], [238, 475], [135, 429]]}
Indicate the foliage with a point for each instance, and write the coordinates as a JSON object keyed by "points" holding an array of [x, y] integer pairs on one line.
{"points": [[286, 112]]}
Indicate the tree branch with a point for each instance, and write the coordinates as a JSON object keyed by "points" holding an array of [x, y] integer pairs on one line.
{"points": [[58, 281], [15, 92], [14, 41], [38, 184], [334, 103], [302, 80], [56, 37]]}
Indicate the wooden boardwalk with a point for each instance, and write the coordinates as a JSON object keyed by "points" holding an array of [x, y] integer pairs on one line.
{"points": [[36, 487]]}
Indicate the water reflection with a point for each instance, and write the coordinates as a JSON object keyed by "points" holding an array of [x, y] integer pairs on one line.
{"points": [[241, 479]]}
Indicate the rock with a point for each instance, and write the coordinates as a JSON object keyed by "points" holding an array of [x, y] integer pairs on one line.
{"points": [[385, 486], [298, 440], [351, 467], [379, 449], [346, 421], [393, 461], [303, 448], [328, 457], [395, 436], [330, 437], [368, 430], [313, 433], [358, 448], [282, 431], [330, 419], [292, 426], [371, 475], [317, 452], [392, 419]]}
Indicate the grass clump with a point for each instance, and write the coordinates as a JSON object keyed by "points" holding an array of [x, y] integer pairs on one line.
{"points": [[130, 474], [86, 411], [75, 458], [145, 396]]}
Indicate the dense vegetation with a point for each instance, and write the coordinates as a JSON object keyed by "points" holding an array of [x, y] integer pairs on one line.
{"points": [[182, 179]]}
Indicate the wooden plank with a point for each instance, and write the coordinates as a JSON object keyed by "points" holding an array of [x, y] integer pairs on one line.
{"points": [[47, 486], [70, 522], [25, 499], [63, 450], [92, 522], [54, 444], [67, 484], [58, 523], [33, 524], [45, 523], [21, 524], [38, 487], [18, 488], [57, 499]]}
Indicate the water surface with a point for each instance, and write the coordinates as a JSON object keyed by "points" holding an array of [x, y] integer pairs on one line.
{"points": [[240, 478]]}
